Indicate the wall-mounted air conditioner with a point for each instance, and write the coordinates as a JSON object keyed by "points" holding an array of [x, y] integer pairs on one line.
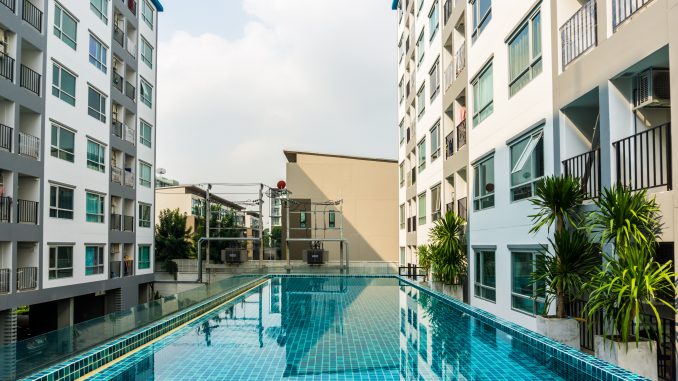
{"points": [[652, 89]]}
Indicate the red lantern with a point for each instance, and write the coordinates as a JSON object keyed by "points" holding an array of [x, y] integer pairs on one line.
{"points": [[281, 184]]}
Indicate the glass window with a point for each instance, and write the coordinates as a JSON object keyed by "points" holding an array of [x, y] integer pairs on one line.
{"points": [[146, 93], [483, 192], [96, 156], [144, 256], [65, 26], [401, 130], [331, 217], [526, 296], [60, 262], [147, 13], [144, 215], [485, 281], [146, 52], [421, 100], [402, 174], [527, 165], [401, 91], [525, 60], [402, 262], [144, 174], [483, 104], [435, 141], [97, 53], [422, 208], [434, 79], [421, 147], [94, 260], [482, 14], [63, 143], [402, 216], [433, 20], [100, 8], [96, 105], [420, 48], [435, 202], [146, 135], [95, 208], [302, 220], [63, 84], [60, 202]]}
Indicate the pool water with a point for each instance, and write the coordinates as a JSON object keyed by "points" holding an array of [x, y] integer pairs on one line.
{"points": [[307, 328]]}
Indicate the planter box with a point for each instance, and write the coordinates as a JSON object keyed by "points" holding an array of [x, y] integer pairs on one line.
{"points": [[562, 330], [640, 359]]}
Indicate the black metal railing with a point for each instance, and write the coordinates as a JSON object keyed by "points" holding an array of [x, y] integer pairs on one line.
{"points": [[644, 159], [130, 90], [117, 81], [412, 271], [128, 223], [5, 209], [449, 145], [11, 4], [29, 145], [4, 281], [119, 35], [462, 208], [623, 9], [29, 79], [116, 222], [579, 33], [6, 66], [27, 212], [6, 137], [32, 15], [585, 167], [26, 278], [461, 134]]}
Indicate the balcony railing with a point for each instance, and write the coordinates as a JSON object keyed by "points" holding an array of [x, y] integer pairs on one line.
{"points": [[114, 267], [585, 167], [4, 281], [644, 159], [460, 59], [117, 81], [26, 278], [121, 268], [29, 79], [462, 208], [27, 212], [117, 128], [623, 9], [461, 134], [129, 179], [7, 66], [11, 4], [130, 133], [128, 223], [119, 35], [29, 145], [116, 175], [32, 15], [130, 90], [6, 137], [579, 33], [5, 209], [116, 222], [449, 145]]}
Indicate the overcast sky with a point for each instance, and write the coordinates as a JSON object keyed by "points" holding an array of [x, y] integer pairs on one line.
{"points": [[241, 80]]}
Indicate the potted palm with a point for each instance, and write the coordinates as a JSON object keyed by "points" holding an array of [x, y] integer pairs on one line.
{"points": [[448, 252], [424, 258]]}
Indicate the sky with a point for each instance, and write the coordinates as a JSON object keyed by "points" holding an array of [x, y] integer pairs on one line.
{"points": [[241, 80]]}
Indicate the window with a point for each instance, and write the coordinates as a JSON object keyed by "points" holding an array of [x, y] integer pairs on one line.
{"points": [[96, 104], [402, 216], [401, 129], [331, 219], [421, 100], [94, 260], [63, 84], [526, 296], [147, 13], [198, 207], [527, 165], [60, 262], [100, 8], [144, 215], [433, 20], [422, 208], [435, 202], [434, 79], [144, 174], [525, 60], [146, 135], [146, 93], [96, 156], [421, 5], [421, 147], [94, 207], [402, 262], [144, 256], [60, 202], [401, 173], [483, 192], [401, 49], [302, 220], [63, 143], [401, 92], [435, 141], [97, 53], [420, 48], [482, 14], [146, 52], [485, 281], [65, 26], [482, 95]]}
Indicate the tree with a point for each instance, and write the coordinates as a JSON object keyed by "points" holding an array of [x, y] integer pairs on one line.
{"points": [[448, 251], [222, 225], [557, 200], [172, 239], [276, 236]]}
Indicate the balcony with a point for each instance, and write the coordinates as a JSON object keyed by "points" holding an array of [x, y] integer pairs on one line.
{"points": [[623, 9], [585, 167], [11, 4], [132, 6], [117, 128], [32, 15], [121, 268], [460, 59], [117, 81], [409, 134], [7, 66], [6, 137], [579, 33], [131, 47], [116, 222], [129, 179], [130, 90], [119, 36], [29, 79], [449, 145], [116, 175], [461, 134], [128, 223], [27, 212], [29, 145], [4, 281], [448, 76], [462, 208], [26, 278], [643, 160], [5, 209], [130, 134]]}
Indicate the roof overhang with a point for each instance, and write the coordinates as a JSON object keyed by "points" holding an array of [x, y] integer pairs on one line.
{"points": [[160, 8]]}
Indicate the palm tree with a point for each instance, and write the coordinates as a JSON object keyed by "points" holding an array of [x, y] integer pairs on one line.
{"points": [[557, 200], [172, 239], [448, 247], [425, 257]]}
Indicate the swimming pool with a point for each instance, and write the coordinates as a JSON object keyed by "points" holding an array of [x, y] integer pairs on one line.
{"points": [[341, 328]]}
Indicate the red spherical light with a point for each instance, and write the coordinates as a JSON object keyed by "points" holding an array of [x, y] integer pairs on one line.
{"points": [[281, 184]]}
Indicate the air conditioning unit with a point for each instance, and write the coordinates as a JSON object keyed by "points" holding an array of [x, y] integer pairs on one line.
{"points": [[652, 89]]}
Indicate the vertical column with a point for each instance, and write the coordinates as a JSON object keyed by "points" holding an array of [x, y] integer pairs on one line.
{"points": [[607, 155], [7, 348], [65, 319]]}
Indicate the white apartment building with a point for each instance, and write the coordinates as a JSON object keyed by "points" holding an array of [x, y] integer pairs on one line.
{"points": [[77, 157]]}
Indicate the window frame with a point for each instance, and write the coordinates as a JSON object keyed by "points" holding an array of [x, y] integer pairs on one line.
{"points": [[102, 14], [402, 173], [144, 46], [144, 223], [536, 150], [148, 98], [402, 216], [477, 198], [421, 156], [101, 208], [96, 165], [479, 112], [302, 219], [478, 24], [56, 150], [59, 12], [53, 268], [97, 267], [421, 51], [146, 141], [421, 100], [436, 211], [57, 89], [480, 286], [401, 130], [535, 63], [95, 113], [434, 73], [145, 7], [331, 219], [421, 203], [57, 208], [145, 182], [535, 298], [101, 60], [143, 265], [435, 131], [433, 31]]}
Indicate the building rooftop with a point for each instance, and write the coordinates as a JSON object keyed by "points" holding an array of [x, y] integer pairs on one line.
{"points": [[292, 156]]}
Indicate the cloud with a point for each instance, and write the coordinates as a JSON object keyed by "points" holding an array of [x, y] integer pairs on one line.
{"points": [[304, 74]]}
